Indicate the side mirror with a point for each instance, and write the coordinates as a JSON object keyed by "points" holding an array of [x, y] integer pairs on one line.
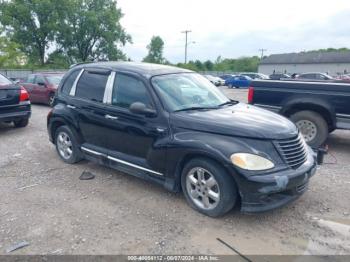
{"points": [[141, 109]]}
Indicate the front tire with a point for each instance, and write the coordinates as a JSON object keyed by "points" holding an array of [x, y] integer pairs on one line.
{"points": [[67, 146], [312, 126], [21, 123], [208, 188]]}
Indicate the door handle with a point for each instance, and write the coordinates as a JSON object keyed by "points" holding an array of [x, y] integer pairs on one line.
{"points": [[70, 106], [111, 117]]}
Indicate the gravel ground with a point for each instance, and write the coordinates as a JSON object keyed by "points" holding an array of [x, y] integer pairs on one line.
{"points": [[44, 203]]}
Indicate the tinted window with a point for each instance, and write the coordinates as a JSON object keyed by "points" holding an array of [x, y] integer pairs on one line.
{"points": [[54, 79], [127, 90], [39, 79], [30, 79], [91, 86], [67, 86]]}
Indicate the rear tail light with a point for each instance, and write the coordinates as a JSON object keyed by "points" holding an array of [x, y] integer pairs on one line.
{"points": [[250, 95], [24, 96]]}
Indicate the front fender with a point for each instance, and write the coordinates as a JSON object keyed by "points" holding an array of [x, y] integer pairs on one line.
{"points": [[188, 144]]}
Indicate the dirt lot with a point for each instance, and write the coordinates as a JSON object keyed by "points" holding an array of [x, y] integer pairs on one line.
{"points": [[44, 203]]}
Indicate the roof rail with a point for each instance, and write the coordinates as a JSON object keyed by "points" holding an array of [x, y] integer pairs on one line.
{"points": [[81, 63]]}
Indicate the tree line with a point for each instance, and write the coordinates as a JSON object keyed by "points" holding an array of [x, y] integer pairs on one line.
{"points": [[58, 33]]}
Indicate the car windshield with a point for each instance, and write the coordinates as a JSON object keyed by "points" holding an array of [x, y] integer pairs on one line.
{"points": [[55, 80], [188, 91], [4, 80]]}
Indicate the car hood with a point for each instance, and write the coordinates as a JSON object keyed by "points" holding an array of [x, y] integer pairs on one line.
{"points": [[237, 120]]}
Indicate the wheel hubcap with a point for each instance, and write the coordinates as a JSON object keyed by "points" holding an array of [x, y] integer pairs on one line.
{"points": [[308, 129], [64, 145], [51, 99], [202, 188]]}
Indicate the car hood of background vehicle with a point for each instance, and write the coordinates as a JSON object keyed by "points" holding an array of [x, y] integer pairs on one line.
{"points": [[237, 120]]}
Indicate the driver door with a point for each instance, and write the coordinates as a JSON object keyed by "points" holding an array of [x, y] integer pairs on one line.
{"points": [[131, 137]]}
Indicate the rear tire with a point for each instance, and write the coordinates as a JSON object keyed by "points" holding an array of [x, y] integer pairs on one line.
{"points": [[21, 123], [66, 145], [313, 127], [208, 188], [51, 100]]}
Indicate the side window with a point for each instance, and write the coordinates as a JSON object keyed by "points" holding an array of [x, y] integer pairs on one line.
{"points": [[128, 90], [91, 86], [30, 79], [39, 79], [67, 86]]}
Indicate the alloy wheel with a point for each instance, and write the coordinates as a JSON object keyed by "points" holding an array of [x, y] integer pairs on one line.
{"points": [[64, 145], [202, 188]]}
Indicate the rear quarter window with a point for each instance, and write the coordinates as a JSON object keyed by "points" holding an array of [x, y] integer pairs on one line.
{"points": [[68, 83]]}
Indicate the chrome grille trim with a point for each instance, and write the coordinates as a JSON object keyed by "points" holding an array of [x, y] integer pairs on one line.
{"points": [[293, 151]]}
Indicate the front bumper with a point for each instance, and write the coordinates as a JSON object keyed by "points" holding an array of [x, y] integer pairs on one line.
{"points": [[261, 193]]}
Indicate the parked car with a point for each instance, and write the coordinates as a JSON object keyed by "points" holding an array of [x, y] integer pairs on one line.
{"points": [[279, 76], [171, 126], [255, 75], [344, 78], [227, 76], [217, 81], [14, 103], [315, 77], [42, 87], [238, 81], [316, 108]]}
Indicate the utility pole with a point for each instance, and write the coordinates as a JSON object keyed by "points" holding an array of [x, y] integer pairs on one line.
{"points": [[262, 50], [186, 43]]}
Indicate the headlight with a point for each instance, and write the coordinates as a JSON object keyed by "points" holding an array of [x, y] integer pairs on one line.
{"points": [[251, 162]]}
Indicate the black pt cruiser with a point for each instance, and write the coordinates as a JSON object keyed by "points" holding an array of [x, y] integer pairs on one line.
{"points": [[173, 127]]}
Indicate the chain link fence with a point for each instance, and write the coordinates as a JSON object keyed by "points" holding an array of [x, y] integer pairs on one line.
{"points": [[23, 73]]}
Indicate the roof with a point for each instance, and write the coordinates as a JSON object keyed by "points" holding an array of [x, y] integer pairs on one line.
{"points": [[146, 69], [308, 58]]}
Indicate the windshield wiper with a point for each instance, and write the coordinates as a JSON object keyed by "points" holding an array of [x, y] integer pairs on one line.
{"points": [[231, 102], [196, 108]]}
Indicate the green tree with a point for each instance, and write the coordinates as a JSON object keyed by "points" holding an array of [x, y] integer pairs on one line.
{"points": [[199, 65], [91, 30], [10, 54], [155, 51], [58, 60], [209, 65], [31, 23]]}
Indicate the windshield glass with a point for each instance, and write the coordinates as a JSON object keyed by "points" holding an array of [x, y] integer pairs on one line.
{"points": [[4, 80], [188, 90], [55, 80]]}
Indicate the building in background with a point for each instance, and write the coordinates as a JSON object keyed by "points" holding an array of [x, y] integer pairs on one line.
{"points": [[334, 63]]}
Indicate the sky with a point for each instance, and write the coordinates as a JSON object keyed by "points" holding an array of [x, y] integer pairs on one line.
{"points": [[235, 28]]}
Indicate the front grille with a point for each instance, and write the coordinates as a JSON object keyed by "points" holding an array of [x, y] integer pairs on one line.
{"points": [[302, 187], [293, 151]]}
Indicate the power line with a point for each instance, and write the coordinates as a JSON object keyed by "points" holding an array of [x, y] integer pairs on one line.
{"points": [[262, 50], [186, 43]]}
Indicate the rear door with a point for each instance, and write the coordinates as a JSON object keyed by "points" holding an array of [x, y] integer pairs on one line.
{"points": [[87, 102]]}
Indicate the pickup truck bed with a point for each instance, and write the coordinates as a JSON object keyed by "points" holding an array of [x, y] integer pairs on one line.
{"points": [[316, 108]]}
